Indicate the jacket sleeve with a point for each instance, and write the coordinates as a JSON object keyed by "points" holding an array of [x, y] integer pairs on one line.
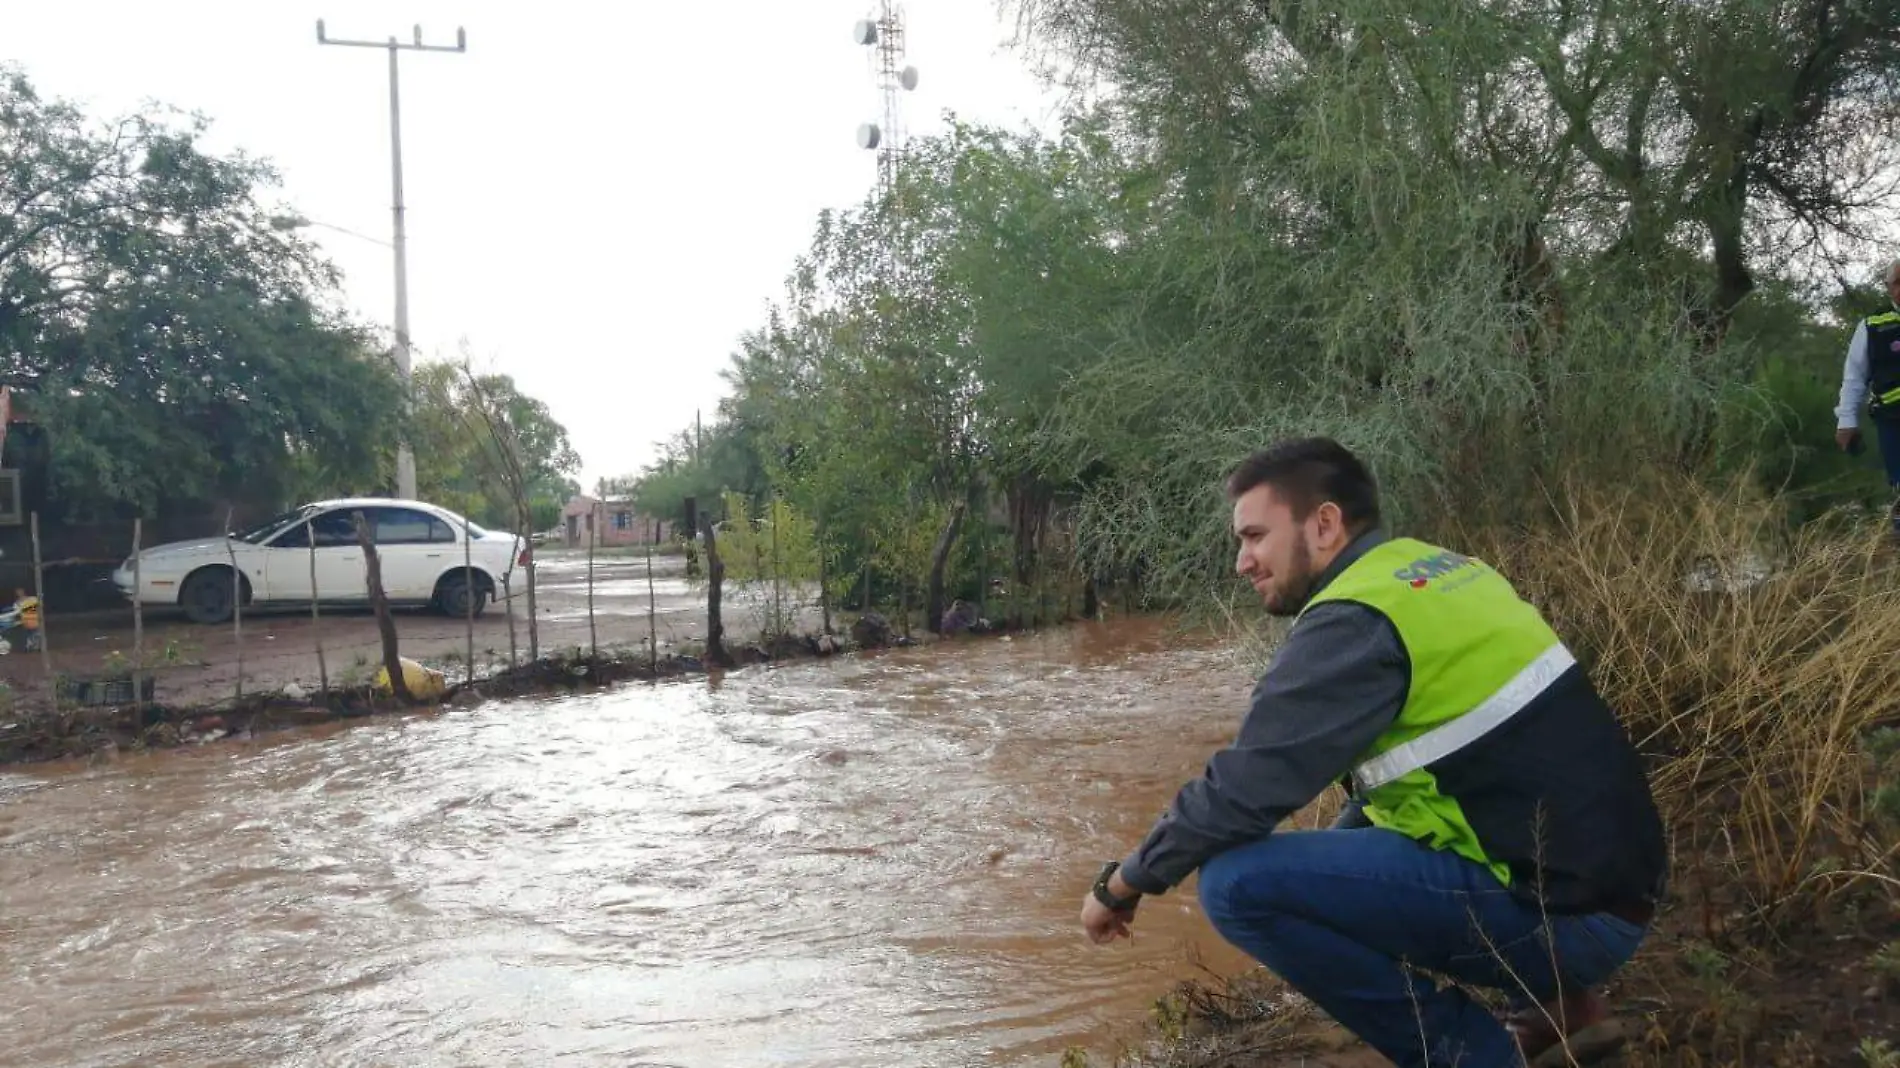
{"points": [[1853, 381], [1335, 685]]}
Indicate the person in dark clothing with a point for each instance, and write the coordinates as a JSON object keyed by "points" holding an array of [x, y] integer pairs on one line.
{"points": [[1500, 829]]}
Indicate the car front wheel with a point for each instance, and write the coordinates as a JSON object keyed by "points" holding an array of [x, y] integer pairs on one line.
{"points": [[207, 596]]}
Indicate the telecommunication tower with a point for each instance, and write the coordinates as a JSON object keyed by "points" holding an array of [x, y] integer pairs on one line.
{"points": [[883, 34]]}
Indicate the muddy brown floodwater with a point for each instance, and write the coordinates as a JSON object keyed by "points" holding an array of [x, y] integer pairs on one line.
{"points": [[865, 861]]}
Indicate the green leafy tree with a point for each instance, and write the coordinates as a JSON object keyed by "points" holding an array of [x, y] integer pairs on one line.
{"points": [[177, 344], [459, 461], [1492, 247]]}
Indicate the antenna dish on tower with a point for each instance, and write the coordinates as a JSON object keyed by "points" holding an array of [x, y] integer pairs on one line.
{"points": [[883, 34]]}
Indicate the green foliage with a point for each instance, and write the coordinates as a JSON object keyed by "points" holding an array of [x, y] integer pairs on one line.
{"points": [[1490, 248], [169, 334], [1878, 1053], [778, 545], [773, 557], [464, 427], [699, 464]]}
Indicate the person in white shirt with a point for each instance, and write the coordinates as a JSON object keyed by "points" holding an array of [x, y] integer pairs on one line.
{"points": [[1871, 378]]}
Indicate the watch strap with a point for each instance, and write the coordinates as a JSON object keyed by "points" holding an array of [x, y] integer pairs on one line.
{"points": [[1103, 895]]}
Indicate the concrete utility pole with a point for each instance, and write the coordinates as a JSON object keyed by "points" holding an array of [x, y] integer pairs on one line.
{"points": [[405, 459]]}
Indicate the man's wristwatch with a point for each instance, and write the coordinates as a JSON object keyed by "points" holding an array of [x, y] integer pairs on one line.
{"points": [[1102, 894]]}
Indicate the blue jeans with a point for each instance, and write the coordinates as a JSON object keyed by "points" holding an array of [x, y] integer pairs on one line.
{"points": [[1887, 437], [1335, 912]]}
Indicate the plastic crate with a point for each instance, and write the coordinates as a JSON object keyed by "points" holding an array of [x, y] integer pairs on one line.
{"points": [[111, 690]]}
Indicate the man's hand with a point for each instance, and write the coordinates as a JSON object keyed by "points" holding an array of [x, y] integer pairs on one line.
{"points": [[1847, 438], [1102, 923]]}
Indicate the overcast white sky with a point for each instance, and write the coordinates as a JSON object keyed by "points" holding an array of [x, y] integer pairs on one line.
{"points": [[600, 198]]}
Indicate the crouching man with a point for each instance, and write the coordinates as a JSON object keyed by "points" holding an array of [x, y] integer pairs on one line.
{"points": [[1500, 830]]}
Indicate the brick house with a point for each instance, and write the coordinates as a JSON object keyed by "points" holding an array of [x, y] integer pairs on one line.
{"points": [[610, 521]]}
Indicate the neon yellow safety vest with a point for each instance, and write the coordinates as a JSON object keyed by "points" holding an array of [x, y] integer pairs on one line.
{"points": [[1883, 359], [1479, 654]]}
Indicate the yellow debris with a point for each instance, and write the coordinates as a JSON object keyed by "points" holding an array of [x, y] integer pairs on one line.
{"points": [[425, 683]]}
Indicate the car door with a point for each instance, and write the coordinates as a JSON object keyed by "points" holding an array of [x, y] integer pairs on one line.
{"points": [[338, 560], [415, 548]]}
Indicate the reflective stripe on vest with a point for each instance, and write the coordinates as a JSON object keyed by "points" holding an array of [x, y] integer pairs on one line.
{"points": [[1468, 638], [1447, 738]]}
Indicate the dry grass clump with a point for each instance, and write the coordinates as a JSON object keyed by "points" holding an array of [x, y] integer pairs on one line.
{"points": [[1749, 662]]}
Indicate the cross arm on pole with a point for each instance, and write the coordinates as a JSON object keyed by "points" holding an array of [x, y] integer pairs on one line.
{"points": [[417, 45]]}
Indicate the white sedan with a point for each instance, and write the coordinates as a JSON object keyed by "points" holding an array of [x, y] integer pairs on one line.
{"points": [[421, 547]]}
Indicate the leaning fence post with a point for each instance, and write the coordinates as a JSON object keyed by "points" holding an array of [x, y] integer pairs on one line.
{"points": [[508, 594], [316, 617], [237, 601], [653, 626], [39, 593], [469, 583], [593, 636], [779, 629], [715, 580], [138, 614]]}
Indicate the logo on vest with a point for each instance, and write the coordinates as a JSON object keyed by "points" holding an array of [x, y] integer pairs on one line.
{"points": [[1420, 573]]}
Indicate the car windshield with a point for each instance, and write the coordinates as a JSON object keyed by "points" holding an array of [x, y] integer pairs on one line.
{"points": [[263, 530]]}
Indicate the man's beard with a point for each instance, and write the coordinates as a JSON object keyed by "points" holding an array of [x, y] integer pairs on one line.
{"points": [[1299, 585]]}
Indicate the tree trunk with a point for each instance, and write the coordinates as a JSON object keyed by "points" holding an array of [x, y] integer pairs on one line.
{"points": [[939, 561], [1029, 513], [715, 578], [379, 603], [983, 573]]}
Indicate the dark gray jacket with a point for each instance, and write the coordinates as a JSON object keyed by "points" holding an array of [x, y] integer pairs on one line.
{"points": [[1557, 793], [1335, 685]]}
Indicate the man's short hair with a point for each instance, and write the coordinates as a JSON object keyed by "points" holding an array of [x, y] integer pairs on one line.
{"points": [[1308, 472]]}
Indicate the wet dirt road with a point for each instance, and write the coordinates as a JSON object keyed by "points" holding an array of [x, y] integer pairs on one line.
{"points": [[871, 860]]}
